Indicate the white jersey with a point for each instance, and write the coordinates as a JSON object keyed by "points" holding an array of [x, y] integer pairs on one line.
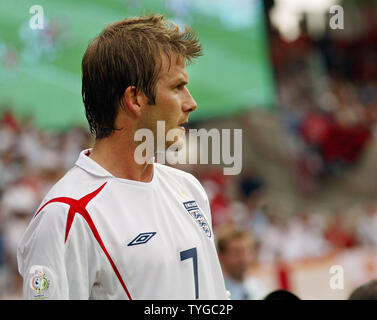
{"points": [[96, 236]]}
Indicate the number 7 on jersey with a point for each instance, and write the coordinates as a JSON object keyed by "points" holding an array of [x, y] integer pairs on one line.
{"points": [[191, 253]]}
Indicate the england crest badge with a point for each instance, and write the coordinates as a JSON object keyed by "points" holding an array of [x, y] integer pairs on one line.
{"points": [[193, 209]]}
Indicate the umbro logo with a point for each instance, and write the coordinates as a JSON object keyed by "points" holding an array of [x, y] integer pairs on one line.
{"points": [[142, 238]]}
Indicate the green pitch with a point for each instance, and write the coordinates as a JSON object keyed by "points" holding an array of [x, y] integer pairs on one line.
{"points": [[45, 83]]}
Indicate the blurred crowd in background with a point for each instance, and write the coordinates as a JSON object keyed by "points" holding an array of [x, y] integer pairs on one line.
{"points": [[327, 97], [31, 161], [327, 103]]}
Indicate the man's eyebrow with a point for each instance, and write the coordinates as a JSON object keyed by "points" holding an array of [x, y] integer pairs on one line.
{"points": [[180, 81]]}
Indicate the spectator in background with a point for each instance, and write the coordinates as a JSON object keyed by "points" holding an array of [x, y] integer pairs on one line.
{"points": [[282, 295], [237, 255], [367, 291], [253, 215], [339, 234]]}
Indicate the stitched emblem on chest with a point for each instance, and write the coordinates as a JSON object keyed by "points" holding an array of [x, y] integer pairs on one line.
{"points": [[193, 209]]}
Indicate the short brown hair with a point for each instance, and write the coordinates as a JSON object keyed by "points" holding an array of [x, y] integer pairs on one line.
{"points": [[227, 233], [128, 53]]}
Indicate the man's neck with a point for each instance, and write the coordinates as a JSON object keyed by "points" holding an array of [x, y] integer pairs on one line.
{"points": [[117, 156]]}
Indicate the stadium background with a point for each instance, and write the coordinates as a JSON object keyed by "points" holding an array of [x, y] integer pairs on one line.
{"points": [[304, 94]]}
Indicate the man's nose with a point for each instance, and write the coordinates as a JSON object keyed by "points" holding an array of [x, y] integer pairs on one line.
{"points": [[190, 104]]}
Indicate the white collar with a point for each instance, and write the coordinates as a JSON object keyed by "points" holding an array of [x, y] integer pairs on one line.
{"points": [[89, 165]]}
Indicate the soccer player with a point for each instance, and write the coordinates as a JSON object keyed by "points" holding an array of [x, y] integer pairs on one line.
{"points": [[113, 228]]}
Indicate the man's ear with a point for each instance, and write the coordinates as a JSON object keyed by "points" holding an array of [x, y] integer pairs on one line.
{"points": [[134, 100]]}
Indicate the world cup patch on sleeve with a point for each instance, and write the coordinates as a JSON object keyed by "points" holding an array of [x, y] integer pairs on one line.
{"points": [[193, 209], [41, 283]]}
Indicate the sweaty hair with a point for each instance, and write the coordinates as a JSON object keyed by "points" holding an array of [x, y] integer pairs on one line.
{"points": [[128, 53]]}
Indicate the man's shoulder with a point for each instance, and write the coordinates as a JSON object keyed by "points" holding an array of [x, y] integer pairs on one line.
{"points": [[177, 173], [75, 184], [184, 180]]}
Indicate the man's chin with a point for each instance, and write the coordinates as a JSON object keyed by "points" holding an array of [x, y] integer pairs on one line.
{"points": [[175, 146], [175, 139]]}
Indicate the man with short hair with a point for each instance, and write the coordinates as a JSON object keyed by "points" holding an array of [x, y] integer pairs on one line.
{"points": [[237, 254], [113, 228], [365, 291]]}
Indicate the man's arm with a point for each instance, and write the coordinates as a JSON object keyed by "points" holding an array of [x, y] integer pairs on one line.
{"points": [[51, 267]]}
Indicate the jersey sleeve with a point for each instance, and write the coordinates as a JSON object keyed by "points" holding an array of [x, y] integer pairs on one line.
{"points": [[51, 267]]}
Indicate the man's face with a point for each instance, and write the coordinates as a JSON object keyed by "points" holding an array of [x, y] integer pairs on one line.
{"points": [[237, 257], [173, 101]]}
